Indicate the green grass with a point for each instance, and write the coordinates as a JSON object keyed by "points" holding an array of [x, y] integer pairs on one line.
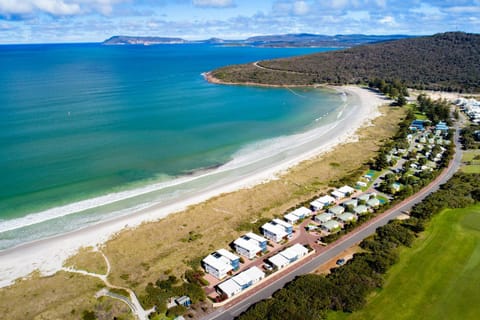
{"points": [[438, 278], [472, 166], [420, 116]]}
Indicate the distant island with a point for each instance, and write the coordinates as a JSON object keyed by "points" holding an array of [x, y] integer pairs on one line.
{"points": [[283, 40], [448, 62]]}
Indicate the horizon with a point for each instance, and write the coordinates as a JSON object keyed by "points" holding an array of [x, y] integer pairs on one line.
{"points": [[223, 38], [80, 21]]}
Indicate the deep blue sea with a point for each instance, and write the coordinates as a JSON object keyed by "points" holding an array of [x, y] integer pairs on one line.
{"points": [[86, 125]]}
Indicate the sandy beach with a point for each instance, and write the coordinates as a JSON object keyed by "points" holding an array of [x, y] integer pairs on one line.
{"points": [[48, 255]]}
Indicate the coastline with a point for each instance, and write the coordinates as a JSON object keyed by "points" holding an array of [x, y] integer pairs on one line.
{"points": [[47, 255], [210, 78]]}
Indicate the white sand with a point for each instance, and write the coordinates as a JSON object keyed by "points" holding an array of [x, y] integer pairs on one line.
{"points": [[48, 255]]}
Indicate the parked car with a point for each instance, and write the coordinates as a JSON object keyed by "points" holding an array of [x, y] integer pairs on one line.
{"points": [[340, 262], [268, 267]]}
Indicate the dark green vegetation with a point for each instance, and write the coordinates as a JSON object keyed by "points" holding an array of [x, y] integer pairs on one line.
{"points": [[394, 89], [435, 110], [446, 61], [347, 287], [469, 140], [157, 294]]}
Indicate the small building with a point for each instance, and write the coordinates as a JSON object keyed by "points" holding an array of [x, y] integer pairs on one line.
{"points": [[374, 202], [324, 217], [274, 232], [361, 209], [233, 259], [347, 217], [316, 205], [337, 194], [441, 126], [368, 176], [361, 184], [297, 214], [366, 196], [322, 202], [283, 224], [294, 252], [330, 226], [287, 256], [184, 301], [337, 210], [217, 267], [229, 288], [240, 282], [254, 274], [279, 261], [259, 240], [247, 248], [347, 190], [417, 125], [352, 202], [291, 218]]}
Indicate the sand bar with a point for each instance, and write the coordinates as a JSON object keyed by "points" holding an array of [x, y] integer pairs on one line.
{"points": [[48, 255]]}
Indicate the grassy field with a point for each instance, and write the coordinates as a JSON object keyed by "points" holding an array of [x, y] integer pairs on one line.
{"points": [[471, 165], [169, 246], [438, 278]]}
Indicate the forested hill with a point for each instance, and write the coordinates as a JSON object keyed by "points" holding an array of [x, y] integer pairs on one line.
{"points": [[447, 61]]}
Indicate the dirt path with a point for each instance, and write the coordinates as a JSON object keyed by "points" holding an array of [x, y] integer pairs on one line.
{"points": [[132, 302]]}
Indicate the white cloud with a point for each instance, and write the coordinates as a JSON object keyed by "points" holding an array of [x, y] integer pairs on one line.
{"points": [[300, 8], [213, 3], [56, 7], [427, 10], [357, 15], [464, 9], [388, 20]]}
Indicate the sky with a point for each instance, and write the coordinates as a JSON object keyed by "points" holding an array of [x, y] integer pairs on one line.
{"points": [[45, 21]]}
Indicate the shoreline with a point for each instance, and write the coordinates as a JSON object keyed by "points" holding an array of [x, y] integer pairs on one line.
{"points": [[47, 255], [210, 78]]}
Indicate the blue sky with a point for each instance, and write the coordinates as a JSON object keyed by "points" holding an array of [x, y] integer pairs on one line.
{"points": [[27, 21]]}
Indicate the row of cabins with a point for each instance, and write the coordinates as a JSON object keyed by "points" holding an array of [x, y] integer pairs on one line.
{"points": [[240, 282], [325, 201], [330, 220], [419, 125], [471, 107], [222, 262], [288, 256]]}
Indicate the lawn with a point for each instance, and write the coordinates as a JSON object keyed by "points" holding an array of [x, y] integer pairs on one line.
{"points": [[438, 278], [471, 165]]}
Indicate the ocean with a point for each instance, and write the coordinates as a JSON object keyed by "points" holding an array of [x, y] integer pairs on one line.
{"points": [[92, 132]]}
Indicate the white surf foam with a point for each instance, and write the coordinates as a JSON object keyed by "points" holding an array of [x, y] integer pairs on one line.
{"points": [[246, 156]]}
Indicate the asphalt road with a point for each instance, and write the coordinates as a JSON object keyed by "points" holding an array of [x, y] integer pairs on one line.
{"points": [[230, 311]]}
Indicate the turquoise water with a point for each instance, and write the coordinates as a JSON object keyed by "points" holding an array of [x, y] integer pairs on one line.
{"points": [[83, 121]]}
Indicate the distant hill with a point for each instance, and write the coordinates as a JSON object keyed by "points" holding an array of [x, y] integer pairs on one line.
{"points": [[284, 40], [127, 40], [316, 40], [447, 61]]}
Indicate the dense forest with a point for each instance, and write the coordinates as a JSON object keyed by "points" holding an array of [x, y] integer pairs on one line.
{"points": [[447, 61]]}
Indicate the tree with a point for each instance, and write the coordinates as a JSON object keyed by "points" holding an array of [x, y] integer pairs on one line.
{"points": [[401, 100]]}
